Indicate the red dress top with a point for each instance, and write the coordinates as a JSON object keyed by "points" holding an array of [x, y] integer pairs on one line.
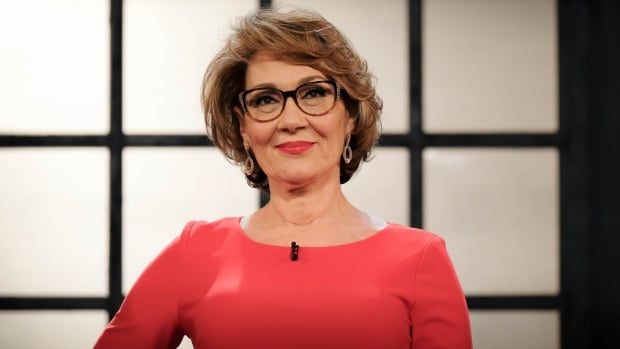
{"points": [[396, 289]]}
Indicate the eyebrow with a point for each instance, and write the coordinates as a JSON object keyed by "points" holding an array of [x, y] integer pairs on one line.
{"points": [[300, 82]]}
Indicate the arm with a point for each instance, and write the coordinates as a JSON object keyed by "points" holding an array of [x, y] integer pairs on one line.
{"points": [[148, 316], [439, 315]]}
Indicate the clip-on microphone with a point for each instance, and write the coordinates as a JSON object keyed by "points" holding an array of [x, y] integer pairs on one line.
{"points": [[294, 251]]}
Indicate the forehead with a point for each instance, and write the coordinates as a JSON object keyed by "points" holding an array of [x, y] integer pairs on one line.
{"points": [[264, 68]]}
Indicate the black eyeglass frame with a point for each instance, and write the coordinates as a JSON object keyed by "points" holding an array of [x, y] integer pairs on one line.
{"points": [[285, 95]]}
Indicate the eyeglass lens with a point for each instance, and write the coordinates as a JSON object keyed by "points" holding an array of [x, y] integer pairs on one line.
{"points": [[314, 98]]}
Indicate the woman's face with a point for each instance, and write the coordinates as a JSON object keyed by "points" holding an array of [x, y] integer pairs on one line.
{"points": [[326, 133]]}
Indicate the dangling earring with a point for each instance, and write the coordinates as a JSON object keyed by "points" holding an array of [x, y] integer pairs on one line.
{"points": [[347, 153], [248, 165]]}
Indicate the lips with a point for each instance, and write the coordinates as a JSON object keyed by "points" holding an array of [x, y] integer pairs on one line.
{"points": [[296, 147]]}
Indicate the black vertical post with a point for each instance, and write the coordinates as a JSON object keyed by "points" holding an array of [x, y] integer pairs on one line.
{"points": [[573, 41], [115, 143], [604, 172], [415, 113]]}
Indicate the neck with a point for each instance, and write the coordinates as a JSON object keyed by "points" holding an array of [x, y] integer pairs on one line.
{"points": [[309, 206]]}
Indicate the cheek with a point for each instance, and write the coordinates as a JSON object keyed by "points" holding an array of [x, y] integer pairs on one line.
{"points": [[331, 146], [331, 131], [260, 135]]}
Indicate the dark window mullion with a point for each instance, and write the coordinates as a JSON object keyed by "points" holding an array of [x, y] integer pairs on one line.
{"points": [[52, 141], [415, 114], [52, 303], [574, 49], [533, 302], [116, 148]]}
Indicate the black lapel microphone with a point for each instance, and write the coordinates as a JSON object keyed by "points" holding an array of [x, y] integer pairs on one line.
{"points": [[294, 251]]}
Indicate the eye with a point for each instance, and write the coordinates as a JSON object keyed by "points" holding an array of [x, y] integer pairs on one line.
{"points": [[315, 91], [264, 98]]}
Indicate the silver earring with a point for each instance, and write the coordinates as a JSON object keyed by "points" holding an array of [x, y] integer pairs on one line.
{"points": [[248, 165], [347, 153]]}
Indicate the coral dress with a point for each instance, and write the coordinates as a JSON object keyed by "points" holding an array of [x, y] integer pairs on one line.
{"points": [[396, 289]]}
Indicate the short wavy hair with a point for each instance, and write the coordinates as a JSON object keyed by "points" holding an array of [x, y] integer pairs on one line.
{"points": [[295, 36]]}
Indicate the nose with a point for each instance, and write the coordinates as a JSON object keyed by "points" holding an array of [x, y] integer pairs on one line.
{"points": [[292, 117]]}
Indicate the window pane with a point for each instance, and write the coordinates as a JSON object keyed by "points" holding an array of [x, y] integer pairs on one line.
{"points": [[55, 66], [167, 47], [167, 187], [379, 30], [369, 190], [515, 329], [67, 329], [490, 66], [498, 210], [54, 219]]}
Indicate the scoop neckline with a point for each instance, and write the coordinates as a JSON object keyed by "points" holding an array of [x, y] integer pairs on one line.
{"points": [[239, 229]]}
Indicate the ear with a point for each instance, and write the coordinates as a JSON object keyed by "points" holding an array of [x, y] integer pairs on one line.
{"points": [[239, 115], [350, 124]]}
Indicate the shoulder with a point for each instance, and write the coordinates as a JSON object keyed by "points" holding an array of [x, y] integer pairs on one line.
{"points": [[199, 234], [416, 238], [407, 243], [197, 228]]}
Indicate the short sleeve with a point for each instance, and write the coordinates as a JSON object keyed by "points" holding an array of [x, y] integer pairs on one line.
{"points": [[148, 316], [439, 315]]}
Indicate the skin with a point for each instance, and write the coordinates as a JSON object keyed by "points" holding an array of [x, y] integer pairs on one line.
{"points": [[306, 204]]}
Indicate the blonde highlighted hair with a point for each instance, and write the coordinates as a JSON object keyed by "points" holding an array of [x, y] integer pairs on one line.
{"points": [[297, 37]]}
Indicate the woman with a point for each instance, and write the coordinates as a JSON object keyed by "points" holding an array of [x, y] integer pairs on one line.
{"points": [[290, 100]]}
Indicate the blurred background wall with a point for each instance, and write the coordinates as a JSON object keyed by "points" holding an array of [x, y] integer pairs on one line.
{"points": [[500, 133]]}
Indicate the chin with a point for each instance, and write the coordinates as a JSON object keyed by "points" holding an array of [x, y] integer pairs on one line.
{"points": [[298, 176]]}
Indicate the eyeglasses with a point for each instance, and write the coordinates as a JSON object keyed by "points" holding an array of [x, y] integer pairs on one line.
{"points": [[315, 98]]}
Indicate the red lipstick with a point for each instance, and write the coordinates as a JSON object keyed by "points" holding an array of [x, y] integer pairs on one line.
{"points": [[296, 147]]}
